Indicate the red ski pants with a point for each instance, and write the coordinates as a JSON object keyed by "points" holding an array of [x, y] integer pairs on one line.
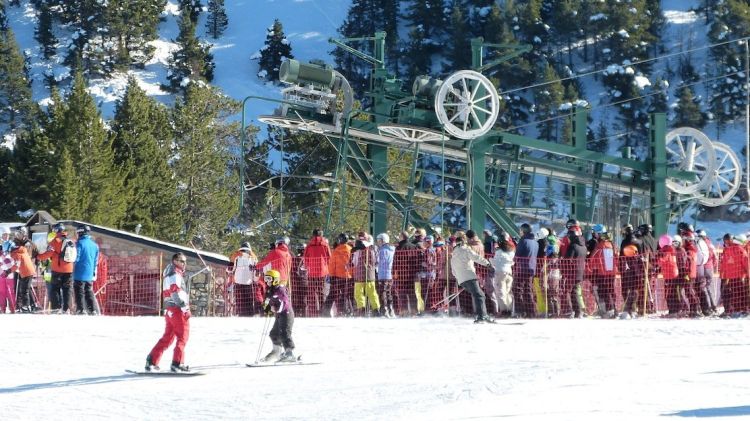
{"points": [[178, 327]]}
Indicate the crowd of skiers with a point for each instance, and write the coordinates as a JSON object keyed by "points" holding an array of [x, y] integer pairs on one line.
{"points": [[526, 274], [70, 269]]}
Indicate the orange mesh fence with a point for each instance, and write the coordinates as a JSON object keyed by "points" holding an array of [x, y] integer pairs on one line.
{"points": [[132, 288], [415, 281]]}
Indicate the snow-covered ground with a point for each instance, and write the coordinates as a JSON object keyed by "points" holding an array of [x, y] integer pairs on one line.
{"points": [[67, 367], [307, 24]]}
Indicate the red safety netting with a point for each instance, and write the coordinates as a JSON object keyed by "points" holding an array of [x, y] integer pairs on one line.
{"points": [[133, 286], [387, 282]]}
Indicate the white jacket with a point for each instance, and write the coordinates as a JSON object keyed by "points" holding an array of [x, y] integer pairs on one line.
{"points": [[503, 261], [462, 263], [703, 252]]}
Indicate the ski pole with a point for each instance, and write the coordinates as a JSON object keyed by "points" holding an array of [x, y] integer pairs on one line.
{"points": [[262, 341], [447, 300]]}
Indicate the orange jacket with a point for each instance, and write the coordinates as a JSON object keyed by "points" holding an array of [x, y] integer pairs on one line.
{"points": [[668, 263], [339, 263], [603, 259], [23, 265], [733, 264], [53, 253]]}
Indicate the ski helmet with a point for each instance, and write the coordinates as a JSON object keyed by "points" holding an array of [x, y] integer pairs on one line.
{"points": [[571, 223], [272, 277], [599, 229], [677, 240], [665, 240], [385, 238]]}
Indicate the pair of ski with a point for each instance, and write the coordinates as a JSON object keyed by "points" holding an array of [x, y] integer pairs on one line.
{"points": [[192, 373]]}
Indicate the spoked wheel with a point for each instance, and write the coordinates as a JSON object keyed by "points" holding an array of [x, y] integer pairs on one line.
{"points": [[291, 123], [410, 133], [725, 178], [467, 104], [691, 151]]}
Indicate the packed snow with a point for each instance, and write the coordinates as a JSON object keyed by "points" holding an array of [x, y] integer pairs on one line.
{"points": [[73, 367]]}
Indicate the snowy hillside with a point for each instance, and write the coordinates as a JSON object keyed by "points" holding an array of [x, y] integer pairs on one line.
{"points": [[68, 367], [307, 23]]}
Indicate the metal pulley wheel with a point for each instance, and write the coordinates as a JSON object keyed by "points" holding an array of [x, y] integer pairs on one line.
{"points": [[467, 104], [291, 123], [690, 150], [410, 133], [726, 178]]}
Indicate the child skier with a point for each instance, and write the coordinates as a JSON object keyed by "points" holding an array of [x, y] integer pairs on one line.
{"points": [[7, 285], [277, 302], [176, 315]]}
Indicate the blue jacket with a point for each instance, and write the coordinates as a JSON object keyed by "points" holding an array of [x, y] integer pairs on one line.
{"points": [[6, 246], [88, 256], [526, 253], [385, 262]]}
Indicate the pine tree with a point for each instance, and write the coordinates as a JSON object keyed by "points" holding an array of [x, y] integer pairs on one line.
{"points": [[361, 21], [531, 24], [427, 21], [128, 44], [142, 147], [275, 50], [548, 99], [217, 20], [388, 13], [191, 8], [207, 189], [191, 61], [459, 47], [567, 23], [7, 207], [727, 95], [658, 97], [34, 169], [89, 186], [257, 171], [3, 16], [600, 142], [16, 106], [88, 51], [44, 33], [688, 112], [418, 60]]}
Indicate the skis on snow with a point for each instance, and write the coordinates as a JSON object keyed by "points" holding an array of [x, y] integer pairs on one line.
{"points": [[166, 373], [298, 361]]}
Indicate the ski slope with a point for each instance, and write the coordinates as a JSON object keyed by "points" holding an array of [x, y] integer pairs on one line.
{"points": [[72, 367]]}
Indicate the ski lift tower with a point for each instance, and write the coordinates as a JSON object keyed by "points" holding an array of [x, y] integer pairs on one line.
{"points": [[452, 122]]}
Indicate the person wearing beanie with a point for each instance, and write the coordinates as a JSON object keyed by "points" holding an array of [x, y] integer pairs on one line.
{"points": [[84, 272], [61, 252], [243, 281], [462, 267], [406, 264], [316, 258], [384, 284], [524, 270]]}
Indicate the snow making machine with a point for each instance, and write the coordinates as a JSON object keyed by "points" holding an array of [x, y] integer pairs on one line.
{"points": [[504, 178]]}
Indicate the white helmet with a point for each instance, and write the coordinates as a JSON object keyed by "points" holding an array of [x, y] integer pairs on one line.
{"points": [[384, 238], [677, 239], [543, 233], [4, 230]]}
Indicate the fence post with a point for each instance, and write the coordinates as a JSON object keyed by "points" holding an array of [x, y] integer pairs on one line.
{"points": [[646, 285], [159, 301], [132, 299]]}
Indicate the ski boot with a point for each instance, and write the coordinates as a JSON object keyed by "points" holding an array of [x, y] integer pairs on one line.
{"points": [[177, 367], [150, 366], [287, 357], [272, 356]]}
